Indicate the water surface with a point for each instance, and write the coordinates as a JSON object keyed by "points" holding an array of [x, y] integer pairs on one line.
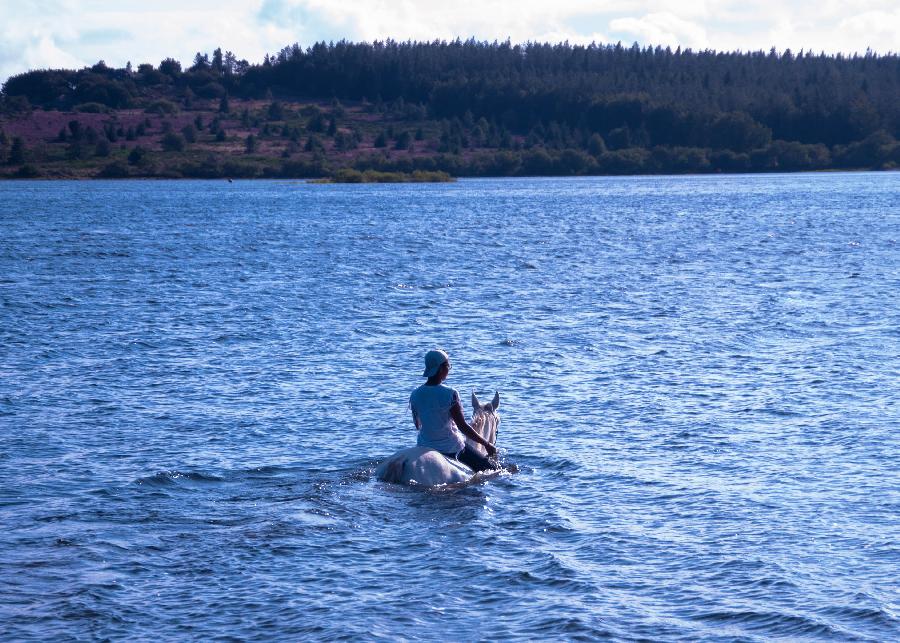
{"points": [[699, 379]]}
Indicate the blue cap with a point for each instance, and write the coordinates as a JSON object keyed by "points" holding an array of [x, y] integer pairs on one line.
{"points": [[433, 361]]}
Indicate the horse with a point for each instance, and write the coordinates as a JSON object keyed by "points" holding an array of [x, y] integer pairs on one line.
{"points": [[427, 467]]}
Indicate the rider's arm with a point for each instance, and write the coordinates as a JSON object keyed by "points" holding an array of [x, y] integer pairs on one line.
{"points": [[416, 422], [456, 413]]}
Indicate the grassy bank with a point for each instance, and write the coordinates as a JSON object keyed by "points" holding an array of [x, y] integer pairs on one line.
{"points": [[371, 176], [349, 142]]}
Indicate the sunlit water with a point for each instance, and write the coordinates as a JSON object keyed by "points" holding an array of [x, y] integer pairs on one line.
{"points": [[699, 381]]}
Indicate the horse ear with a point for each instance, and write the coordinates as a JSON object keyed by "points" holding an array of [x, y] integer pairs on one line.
{"points": [[495, 403], [475, 403]]}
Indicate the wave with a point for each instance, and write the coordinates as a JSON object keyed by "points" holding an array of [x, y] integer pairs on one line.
{"points": [[773, 623], [868, 615], [166, 478]]}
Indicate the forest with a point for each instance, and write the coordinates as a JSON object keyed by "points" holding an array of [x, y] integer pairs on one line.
{"points": [[467, 108]]}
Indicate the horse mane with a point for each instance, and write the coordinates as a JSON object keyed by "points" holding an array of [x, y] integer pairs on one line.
{"points": [[479, 419]]}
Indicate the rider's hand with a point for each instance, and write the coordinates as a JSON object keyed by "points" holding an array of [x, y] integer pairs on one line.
{"points": [[491, 450]]}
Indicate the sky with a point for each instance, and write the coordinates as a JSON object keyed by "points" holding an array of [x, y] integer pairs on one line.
{"points": [[40, 34]]}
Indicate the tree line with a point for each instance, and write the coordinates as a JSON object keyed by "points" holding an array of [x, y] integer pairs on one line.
{"points": [[624, 108]]}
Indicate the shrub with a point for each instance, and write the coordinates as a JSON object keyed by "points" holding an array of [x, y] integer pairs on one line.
{"points": [[208, 169], [728, 161], [173, 142], [632, 160], [575, 162], [310, 111], [102, 148], [114, 170], [190, 133], [870, 152], [596, 145], [17, 104], [17, 152], [27, 171], [275, 111], [346, 141], [316, 123], [404, 141], [239, 170], [91, 108], [137, 156], [162, 107], [77, 149], [348, 175], [789, 156], [211, 90], [313, 144], [676, 160], [301, 169]]}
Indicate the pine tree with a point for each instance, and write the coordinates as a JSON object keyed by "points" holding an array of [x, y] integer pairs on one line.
{"points": [[217, 62], [17, 152]]}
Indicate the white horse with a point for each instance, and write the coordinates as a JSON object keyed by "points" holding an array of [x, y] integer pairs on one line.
{"points": [[427, 467]]}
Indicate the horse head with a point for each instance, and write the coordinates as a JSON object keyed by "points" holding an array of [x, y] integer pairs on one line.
{"points": [[485, 420]]}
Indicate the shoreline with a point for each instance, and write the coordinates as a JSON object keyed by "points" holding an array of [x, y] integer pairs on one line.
{"points": [[325, 180]]}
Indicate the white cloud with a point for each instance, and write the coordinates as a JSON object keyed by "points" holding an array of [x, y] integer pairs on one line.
{"points": [[664, 29], [73, 33], [881, 28], [370, 20]]}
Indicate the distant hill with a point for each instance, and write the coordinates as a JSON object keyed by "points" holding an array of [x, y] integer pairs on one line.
{"points": [[467, 108]]}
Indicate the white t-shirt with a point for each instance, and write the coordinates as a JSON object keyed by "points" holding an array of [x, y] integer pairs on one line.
{"points": [[431, 409]]}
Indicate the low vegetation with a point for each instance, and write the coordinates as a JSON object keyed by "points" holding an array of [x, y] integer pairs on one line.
{"points": [[371, 176]]}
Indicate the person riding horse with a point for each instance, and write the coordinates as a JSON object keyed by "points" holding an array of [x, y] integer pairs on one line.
{"points": [[439, 418]]}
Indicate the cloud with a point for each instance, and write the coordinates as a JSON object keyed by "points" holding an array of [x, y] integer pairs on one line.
{"points": [[881, 28], [27, 38], [664, 29], [369, 20], [830, 25]]}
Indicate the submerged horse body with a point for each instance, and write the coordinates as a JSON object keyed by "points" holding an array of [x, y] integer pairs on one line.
{"points": [[428, 467]]}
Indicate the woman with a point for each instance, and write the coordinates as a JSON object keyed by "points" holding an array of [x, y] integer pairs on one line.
{"points": [[436, 409]]}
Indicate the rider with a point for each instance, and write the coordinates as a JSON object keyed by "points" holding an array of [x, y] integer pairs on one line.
{"points": [[436, 408]]}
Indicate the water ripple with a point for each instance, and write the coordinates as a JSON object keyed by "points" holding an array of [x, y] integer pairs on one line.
{"points": [[698, 381]]}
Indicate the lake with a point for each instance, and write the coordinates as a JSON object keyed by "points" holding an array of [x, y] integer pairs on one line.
{"points": [[699, 380]]}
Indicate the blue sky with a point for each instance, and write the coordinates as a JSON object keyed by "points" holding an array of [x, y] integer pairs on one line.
{"points": [[73, 33]]}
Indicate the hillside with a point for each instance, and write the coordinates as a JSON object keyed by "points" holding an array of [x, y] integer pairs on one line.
{"points": [[466, 108]]}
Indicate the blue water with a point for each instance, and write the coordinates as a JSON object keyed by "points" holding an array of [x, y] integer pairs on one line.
{"points": [[700, 380]]}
